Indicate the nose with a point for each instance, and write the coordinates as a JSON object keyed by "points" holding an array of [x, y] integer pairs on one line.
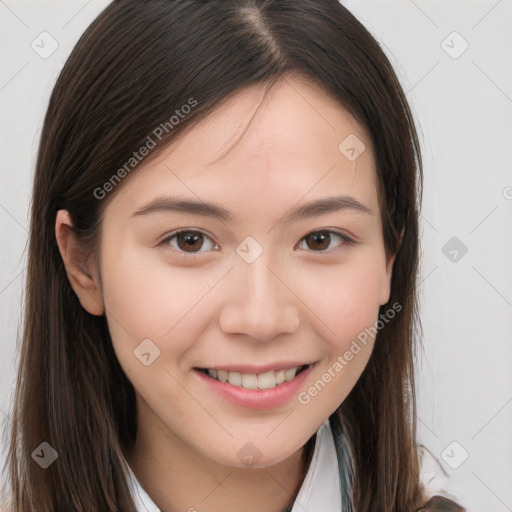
{"points": [[261, 303]]}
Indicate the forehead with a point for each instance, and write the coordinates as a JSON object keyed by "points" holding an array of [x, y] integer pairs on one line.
{"points": [[286, 141], [294, 117]]}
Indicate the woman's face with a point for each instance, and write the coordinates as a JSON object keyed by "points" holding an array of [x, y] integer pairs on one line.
{"points": [[255, 291]]}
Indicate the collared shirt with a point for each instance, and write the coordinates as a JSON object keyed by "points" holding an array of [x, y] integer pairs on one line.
{"points": [[320, 490]]}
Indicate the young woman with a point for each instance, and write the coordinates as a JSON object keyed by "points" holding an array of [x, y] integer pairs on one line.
{"points": [[221, 292]]}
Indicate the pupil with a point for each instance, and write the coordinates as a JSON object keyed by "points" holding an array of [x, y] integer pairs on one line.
{"points": [[191, 240], [320, 237]]}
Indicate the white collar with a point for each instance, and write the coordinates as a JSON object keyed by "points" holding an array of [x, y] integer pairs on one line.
{"points": [[320, 490]]}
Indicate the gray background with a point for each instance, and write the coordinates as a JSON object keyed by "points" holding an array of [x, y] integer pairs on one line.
{"points": [[463, 103]]}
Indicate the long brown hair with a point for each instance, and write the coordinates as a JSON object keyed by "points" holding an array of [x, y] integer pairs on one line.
{"points": [[136, 64]]}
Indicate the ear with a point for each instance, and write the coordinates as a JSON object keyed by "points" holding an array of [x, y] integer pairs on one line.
{"points": [[386, 284], [83, 277]]}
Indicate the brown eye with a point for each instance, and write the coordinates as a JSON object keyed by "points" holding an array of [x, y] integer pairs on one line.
{"points": [[189, 241], [319, 241]]}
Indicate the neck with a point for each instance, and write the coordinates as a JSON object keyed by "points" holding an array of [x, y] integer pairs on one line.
{"points": [[178, 478]]}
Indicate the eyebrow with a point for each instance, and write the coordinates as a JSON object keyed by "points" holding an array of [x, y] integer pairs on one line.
{"points": [[206, 209]]}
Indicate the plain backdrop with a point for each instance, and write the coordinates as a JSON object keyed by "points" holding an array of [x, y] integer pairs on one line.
{"points": [[454, 61]]}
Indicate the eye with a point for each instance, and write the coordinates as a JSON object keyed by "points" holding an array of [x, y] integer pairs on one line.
{"points": [[322, 239], [189, 241]]}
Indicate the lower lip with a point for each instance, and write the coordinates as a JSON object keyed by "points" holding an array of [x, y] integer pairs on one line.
{"points": [[257, 399]]}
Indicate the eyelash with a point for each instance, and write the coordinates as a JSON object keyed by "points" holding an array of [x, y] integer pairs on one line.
{"points": [[346, 240]]}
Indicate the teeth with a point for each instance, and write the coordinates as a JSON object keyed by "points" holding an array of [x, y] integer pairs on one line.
{"points": [[280, 376], [290, 374], [249, 381], [265, 380], [222, 375], [235, 378]]}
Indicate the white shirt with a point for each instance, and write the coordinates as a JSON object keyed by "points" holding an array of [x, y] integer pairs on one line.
{"points": [[320, 490]]}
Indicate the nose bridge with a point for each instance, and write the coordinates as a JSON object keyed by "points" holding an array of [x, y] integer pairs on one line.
{"points": [[261, 305]]}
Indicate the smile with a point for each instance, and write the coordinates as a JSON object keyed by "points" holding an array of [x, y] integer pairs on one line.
{"points": [[255, 388], [266, 380]]}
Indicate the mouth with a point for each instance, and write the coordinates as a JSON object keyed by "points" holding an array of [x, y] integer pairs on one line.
{"points": [[266, 380]]}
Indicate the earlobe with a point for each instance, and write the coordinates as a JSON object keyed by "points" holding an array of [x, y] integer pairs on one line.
{"points": [[84, 278]]}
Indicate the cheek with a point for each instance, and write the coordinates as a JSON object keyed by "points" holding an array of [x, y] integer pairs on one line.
{"points": [[345, 298], [348, 312], [357, 306], [146, 299]]}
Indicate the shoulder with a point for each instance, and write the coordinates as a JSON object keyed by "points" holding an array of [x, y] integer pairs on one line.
{"points": [[441, 492], [441, 504]]}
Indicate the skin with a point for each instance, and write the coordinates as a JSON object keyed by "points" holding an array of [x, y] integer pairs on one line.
{"points": [[206, 307]]}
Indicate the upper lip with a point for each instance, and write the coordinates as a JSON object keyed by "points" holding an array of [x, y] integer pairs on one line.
{"points": [[248, 368]]}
